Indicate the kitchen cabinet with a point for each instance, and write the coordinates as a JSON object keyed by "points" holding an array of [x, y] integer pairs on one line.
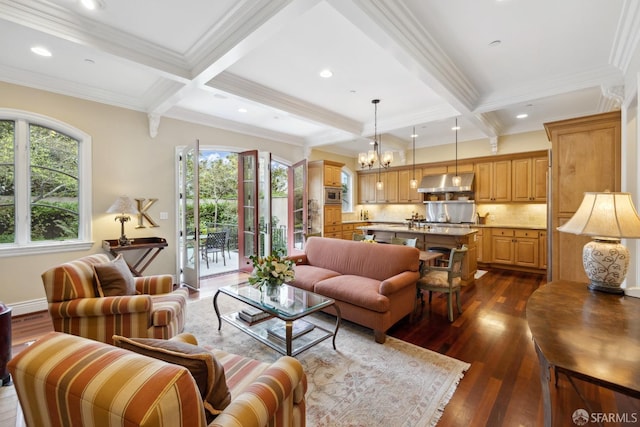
{"points": [[515, 247], [462, 168], [389, 192], [347, 231], [332, 221], [493, 181], [585, 157], [367, 188], [529, 179], [406, 194], [332, 174], [542, 249]]}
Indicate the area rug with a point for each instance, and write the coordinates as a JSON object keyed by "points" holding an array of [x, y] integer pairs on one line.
{"points": [[362, 383]]}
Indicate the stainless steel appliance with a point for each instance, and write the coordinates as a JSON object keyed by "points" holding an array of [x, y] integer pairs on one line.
{"points": [[450, 212], [332, 195]]}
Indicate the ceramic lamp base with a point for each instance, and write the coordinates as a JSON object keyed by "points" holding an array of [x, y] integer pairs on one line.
{"points": [[605, 263]]}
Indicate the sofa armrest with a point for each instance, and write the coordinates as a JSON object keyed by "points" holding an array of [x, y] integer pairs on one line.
{"points": [[154, 285], [399, 281], [89, 307], [277, 395]]}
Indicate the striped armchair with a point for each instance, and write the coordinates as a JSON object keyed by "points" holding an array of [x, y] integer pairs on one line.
{"points": [[75, 308], [72, 381]]}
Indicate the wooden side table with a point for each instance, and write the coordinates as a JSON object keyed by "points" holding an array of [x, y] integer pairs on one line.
{"points": [[593, 336], [150, 245]]}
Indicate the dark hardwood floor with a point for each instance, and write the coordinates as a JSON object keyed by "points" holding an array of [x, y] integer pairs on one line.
{"points": [[502, 387]]}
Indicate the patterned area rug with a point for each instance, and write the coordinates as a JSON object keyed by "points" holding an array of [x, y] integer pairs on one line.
{"points": [[362, 383]]}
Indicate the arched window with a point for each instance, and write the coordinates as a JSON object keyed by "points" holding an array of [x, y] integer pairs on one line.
{"points": [[45, 185], [346, 177]]}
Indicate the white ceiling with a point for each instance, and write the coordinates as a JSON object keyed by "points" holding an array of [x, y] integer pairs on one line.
{"points": [[428, 61]]}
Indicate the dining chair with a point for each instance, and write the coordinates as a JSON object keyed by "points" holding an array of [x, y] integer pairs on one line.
{"points": [[405, 242], [444, 279], [216, 242], [360, 237]]}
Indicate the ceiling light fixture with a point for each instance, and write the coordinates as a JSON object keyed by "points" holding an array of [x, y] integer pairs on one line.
{"points": [[92, 4], [456, 180], [242, 110], [414, 183], [325, 74], [522, 116], [42, 51], [369, 158]]}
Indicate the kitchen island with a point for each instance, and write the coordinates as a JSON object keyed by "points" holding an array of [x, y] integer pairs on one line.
{"points": [[433, 237]]}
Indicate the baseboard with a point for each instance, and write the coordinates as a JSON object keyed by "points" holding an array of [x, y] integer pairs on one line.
{"points": [[27, 307]]}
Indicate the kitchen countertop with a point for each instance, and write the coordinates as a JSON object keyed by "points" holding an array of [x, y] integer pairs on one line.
{"points": [[403, 224], [444, 231]]}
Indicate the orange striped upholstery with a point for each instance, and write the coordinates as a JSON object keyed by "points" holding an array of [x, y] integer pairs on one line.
{"points": [[76, 308], [67, 380]]}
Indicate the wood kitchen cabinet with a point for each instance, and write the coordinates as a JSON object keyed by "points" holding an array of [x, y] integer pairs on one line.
{"points": [[515, 247], [367, 188], [585, 157], [529, 179], [406, 194], [493, 181], [542, 249], [332, 174], [389, 192], [332, 221]]}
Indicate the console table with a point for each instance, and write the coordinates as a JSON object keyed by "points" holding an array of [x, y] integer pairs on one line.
{"points": [[150, 245], [589, 335]]}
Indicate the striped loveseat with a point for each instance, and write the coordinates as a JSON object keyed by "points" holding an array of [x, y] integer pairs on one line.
{"points": [[75, 307], [65, 380]]}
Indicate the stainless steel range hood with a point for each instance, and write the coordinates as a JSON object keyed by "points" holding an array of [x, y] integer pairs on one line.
{"points": [[444, 183]]}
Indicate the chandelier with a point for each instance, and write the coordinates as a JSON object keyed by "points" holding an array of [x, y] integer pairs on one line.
{"points": [[370, 158]]}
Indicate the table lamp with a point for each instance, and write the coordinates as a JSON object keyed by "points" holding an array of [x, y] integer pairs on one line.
{"points": [[608, 217], [123, 206]]}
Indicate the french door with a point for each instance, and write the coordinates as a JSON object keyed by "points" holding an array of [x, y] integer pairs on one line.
{"points": [[189, 214], [298, 207], [248, 215]]}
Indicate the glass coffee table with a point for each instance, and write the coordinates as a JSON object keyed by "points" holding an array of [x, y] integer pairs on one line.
{"points": [[280, 331]]}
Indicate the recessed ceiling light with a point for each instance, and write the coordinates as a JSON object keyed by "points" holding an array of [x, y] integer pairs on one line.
{"points": [[456, 128], [89, 61], [325, 74], [414, 135], [522, 116], [92, 4], [242, 110], [42, 51]]}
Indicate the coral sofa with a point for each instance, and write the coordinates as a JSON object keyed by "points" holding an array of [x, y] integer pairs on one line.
{"points": [[373, 284], [67, 380], [76, 306]]}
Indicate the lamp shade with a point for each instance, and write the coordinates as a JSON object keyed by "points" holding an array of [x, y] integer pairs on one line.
{"points": [[123, 205], [605, 214]]}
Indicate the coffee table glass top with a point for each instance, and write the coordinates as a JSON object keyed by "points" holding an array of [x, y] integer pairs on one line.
{"points": [[290, 303]]}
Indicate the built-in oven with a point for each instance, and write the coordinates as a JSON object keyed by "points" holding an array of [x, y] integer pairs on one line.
{"points": [[332, 195]]}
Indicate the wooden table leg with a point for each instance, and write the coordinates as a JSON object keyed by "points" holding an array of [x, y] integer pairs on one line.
{"points": [[545, 377]]}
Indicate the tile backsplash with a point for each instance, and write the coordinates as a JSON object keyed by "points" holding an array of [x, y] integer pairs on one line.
{"points": [[516, 214]]}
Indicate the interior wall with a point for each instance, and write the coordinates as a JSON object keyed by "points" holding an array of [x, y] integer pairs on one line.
{"points": [[126, 160]]}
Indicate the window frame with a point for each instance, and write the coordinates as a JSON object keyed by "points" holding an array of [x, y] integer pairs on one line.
{"points": [[351, 178], [23, 244]]}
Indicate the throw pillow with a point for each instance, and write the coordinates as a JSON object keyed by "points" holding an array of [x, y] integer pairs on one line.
{"points": [[114, 278], [205, 369]]}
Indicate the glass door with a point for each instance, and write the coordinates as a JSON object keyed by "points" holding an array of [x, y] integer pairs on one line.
{"points": [[248, 227], [189, 215], [265, 219], [298, 221]]}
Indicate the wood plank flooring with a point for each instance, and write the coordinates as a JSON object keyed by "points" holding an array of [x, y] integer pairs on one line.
{"points": [[502, 387]]}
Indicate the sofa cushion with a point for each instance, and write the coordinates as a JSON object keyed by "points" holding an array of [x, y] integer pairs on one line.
{"points": [[204, 367], [308, 275], [356, 290], [114, 278]]}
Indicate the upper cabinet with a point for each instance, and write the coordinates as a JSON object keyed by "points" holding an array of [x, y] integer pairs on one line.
{"points": [[529, 179], [332, 174], [493, 181], [406, 194]]}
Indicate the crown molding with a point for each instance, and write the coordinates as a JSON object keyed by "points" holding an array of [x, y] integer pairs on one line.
{"points": [[627, 36]]}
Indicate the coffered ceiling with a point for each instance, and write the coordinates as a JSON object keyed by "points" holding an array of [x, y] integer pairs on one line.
{"points": [[252, 66]]}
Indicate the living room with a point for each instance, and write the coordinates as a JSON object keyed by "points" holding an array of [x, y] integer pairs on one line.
{"points": [[134, 155]]}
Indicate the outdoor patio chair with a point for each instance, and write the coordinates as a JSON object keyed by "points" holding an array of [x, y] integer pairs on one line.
{"points": [[216, 242]]}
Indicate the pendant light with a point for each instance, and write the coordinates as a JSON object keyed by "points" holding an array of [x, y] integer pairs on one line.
{"points": [[456, 180], [414, 183], [369, 158]]}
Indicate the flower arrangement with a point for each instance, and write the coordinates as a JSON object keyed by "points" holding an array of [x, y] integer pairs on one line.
{"points": [[271, 271]]}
